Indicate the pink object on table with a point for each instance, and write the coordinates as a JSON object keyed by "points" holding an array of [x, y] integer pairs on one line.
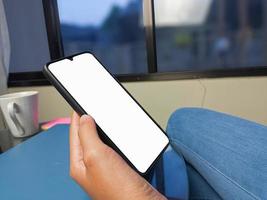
{"points": [[55, 122]]}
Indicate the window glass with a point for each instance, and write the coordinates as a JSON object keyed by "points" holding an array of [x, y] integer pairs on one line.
{"points": [[210, 34], [111, 29]]}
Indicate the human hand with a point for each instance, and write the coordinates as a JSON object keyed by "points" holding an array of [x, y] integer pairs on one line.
{"points": [[99, 170]]}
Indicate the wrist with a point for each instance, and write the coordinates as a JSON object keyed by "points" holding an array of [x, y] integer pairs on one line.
{"points": [[148, 192]]}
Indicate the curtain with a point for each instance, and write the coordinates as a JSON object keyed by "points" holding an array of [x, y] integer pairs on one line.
{"points": [[4, 49]]}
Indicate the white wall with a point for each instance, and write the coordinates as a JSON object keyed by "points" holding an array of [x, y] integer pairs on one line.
{"points": [[243, 97]]}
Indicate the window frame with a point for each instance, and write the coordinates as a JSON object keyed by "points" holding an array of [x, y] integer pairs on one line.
{"points": [[50, 7]]}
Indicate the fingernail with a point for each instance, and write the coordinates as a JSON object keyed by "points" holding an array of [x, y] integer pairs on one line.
{"points": [[84, 118]]}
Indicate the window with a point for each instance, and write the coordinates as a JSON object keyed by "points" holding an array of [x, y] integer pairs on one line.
{"points": [[111, 29], [194, 35], [181, 39]]}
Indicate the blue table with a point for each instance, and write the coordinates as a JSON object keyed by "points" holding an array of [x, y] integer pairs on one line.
{"points": [[39, 169]]}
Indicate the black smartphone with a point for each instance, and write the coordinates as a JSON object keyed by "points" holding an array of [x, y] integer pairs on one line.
{"points": [[122, 123]]}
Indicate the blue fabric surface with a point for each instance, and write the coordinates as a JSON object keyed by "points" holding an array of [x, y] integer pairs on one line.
{"points": [[175, 175], [39, 169], [228, 152]]}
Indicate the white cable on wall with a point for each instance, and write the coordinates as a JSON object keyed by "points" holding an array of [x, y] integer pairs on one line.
{"points": [[204, 92]]}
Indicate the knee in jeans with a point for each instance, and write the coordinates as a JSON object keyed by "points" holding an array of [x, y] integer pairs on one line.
{"points": [[176, 121], [181, 121]]}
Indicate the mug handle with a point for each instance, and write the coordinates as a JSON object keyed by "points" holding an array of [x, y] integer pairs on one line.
{"points": [[12, 109]]}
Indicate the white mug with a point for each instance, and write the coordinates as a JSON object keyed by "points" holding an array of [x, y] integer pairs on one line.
{"points": [[20, 111]]}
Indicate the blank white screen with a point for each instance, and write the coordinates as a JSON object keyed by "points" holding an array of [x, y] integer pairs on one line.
{"points": [[117, 114]]}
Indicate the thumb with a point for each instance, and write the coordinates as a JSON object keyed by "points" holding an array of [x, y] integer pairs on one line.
{"points": [[88, 135]]}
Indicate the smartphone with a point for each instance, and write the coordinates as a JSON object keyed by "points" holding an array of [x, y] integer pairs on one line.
{"points": [[122, 123]]}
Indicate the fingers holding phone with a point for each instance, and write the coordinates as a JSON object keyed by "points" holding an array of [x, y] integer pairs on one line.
{"points": [[99, 170]]}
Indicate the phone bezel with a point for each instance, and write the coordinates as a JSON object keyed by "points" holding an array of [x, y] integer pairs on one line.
{"points": [[77, 107]]}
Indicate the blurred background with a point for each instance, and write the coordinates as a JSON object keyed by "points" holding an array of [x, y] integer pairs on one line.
{"points": [[168, 53]]}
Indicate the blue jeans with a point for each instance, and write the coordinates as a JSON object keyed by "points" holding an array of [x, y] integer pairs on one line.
{"points": [[225, 157]]}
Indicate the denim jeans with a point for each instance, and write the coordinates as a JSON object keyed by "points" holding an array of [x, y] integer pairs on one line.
{"points": [[225, 156]]}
